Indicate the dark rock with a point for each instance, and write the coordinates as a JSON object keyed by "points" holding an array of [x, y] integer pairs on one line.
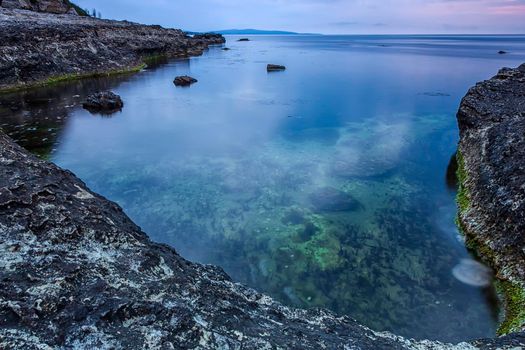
{"points": [[39, 47], [226, 49], [50, 6], [106, 102], [275, 67], [243, 39], [184, 81], [491, 158], [328, 199], [451, 177], [502, 52]]}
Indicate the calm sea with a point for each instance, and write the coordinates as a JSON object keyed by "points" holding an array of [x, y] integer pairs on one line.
{"points": [[324, 185]]}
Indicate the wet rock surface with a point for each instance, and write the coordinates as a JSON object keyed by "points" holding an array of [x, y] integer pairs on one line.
{"points": [[78, 273], [103, 102], [40, 48], [184, 81]]}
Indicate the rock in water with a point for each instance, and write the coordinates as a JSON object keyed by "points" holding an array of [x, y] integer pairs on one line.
{"points": [[328, 199], [104, 102], [243, 39], [275, 67], [184, 80], [472, 273], [502, 52]]}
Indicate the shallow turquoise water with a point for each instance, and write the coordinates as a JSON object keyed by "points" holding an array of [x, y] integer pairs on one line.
{"points": [[324, 185]]}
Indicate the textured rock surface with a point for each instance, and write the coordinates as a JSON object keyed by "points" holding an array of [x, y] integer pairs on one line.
{"points": [[42, 47], [184, 80], [75, 272], [51, 6], [492, 127], [105, 101]]}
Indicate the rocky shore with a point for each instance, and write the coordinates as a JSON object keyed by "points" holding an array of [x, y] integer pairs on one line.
{"points": [[76, 273], [492, 176], [38, 48]]}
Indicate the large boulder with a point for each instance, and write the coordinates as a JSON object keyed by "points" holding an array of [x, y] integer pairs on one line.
{"points": [[275, 67], [103, 102], [184, 80]]}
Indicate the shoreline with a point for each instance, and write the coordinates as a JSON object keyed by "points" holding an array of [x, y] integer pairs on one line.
{"points": [[39, 49], [77, 272]]}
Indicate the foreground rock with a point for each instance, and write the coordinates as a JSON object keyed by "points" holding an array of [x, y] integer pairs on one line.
{"points": [[77, 273], [275, 67], [40, 48], [105, 102], [184, 80], [491, 161]]}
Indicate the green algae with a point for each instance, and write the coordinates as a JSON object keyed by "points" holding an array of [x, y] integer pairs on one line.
{"points": [[463, 195], [53, 80], [514, 301], [512, 294]]}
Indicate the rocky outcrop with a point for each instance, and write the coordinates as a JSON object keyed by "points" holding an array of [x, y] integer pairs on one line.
{"points": [[105, 102], [491, 160], [39, 48], [184, 80], [75, 272], [275, 67], [50, 6]]}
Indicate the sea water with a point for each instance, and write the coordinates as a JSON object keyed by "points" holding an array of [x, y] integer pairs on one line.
{"points": [[324, 185]]}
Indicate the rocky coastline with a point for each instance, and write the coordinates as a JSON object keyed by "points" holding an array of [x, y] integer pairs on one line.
{"points": [[492, 176], [77, 273], [38, 48]]}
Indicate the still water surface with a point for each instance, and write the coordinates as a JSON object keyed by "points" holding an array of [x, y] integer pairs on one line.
{"points": [[324, 185]]}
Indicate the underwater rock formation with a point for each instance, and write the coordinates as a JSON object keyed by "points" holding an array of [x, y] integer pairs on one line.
{"points": [[491, 157], [328, 199], [41, 48], [76, 272]]}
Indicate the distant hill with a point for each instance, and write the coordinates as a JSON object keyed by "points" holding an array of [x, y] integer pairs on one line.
{"points": [[253, 32]]}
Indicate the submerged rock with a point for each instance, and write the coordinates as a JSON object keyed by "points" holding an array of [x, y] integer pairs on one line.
{"points": [[275, 67], [184, 80], [105, 102], [328, 199], [472, 273]]}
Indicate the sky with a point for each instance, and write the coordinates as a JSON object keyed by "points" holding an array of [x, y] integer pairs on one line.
{"points": [[324, 16]]}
